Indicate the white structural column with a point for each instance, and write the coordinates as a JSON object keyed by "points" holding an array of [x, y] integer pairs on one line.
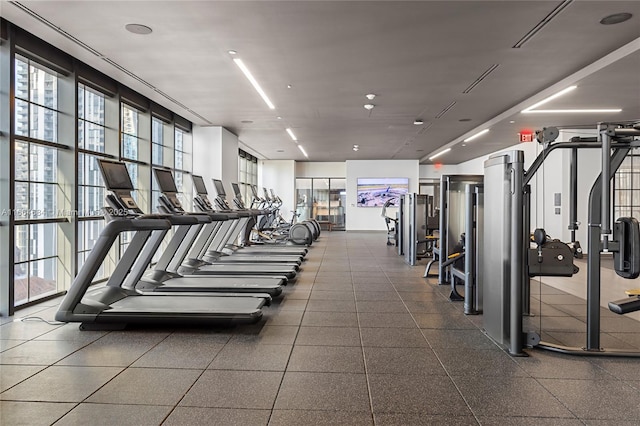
{"points": [[215, 156]]}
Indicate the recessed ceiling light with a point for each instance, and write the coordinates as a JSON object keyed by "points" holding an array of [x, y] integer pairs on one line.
{"points": [[440, 153], [418, 122], [232, 52], [253, 82], [355, 148], [289, 86], [246, 121], [464, 144], [480, 133], [369, 106], [279, 118], [511, 121], [370, 96], [464, 119], [616, 18], [138, 29]]}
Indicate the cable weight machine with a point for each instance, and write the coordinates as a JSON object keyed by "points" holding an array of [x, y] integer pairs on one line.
{"points": [[507, 272]]}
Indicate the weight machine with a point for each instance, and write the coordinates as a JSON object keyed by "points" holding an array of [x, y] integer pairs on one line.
{"points": [[506, 273], [464, 266], [451, 221]]}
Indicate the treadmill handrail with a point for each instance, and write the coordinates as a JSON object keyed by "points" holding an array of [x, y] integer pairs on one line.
{"points": [[100, 251]]}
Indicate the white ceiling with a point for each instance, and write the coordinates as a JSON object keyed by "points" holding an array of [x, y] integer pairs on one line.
{"points": [[417, 56]]}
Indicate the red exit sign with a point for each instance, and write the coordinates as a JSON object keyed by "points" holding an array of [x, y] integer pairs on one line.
{"points": [[525, 136]]}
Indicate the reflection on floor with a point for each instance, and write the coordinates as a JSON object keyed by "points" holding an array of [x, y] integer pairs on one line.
{"points": [[359, 339]]}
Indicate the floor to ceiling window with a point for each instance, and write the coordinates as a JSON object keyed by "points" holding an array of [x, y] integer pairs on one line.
{"points": [[247, 175], [627, 187], [64, 117], [38, 210]]}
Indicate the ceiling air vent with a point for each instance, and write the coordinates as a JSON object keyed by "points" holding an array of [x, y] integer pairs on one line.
{"points": [[535, 30], [425, 128], [482, 77], [107, 60], [55, 28], [446, 109]]}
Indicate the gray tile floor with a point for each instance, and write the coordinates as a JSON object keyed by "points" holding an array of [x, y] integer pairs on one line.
{"points": [[359, 339]]}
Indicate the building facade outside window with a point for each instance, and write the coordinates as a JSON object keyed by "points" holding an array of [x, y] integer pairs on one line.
{"points": [[36, 212], [247, 175], [64, 117]]}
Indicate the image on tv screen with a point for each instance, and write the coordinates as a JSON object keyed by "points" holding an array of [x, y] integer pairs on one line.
{"points": [[374, 192]]}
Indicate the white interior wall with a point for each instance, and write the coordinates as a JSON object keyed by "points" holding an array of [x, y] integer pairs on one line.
{"points": [[215, 156], [229, 159], [327, 169], [368, 218], [281, 176]]}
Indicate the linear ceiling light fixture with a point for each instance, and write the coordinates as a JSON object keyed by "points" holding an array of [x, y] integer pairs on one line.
{"points": [[532, 108], [253, 82], [440, 153], [303, 151], [550, 98], [575, 111], [480, 133], [293, 137]]}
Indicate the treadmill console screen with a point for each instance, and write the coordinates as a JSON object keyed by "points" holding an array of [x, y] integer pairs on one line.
{"points": [[236, 190], [254, 190], [165, 180], [115, 175], [219, 187], [198, 184]]}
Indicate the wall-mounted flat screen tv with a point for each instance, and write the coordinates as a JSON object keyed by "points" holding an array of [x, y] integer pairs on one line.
{"points": [[374, 192]]}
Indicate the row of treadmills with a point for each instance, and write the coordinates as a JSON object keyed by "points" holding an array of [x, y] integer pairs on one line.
{"points": [[198, 276]]}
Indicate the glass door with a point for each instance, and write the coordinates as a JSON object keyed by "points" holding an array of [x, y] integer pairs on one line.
{"points": [[337, 202], [304, 200], [324, 199], [321, 199]]}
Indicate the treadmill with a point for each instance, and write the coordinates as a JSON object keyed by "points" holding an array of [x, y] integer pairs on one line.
{"points": [[240, 225], [188, 261], [271, 249], [113, 306], [164, 276]]}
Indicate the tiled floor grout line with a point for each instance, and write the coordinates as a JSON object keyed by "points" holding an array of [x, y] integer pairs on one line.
{"points": [[475, 416], [293, 345], [364, 357]]}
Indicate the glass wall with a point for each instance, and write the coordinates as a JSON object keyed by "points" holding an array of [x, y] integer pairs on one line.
{"points": [[65, 117], [627, 187], [92, 133], [323, 199], [38, 207], [247, 175], [182, 166]]}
